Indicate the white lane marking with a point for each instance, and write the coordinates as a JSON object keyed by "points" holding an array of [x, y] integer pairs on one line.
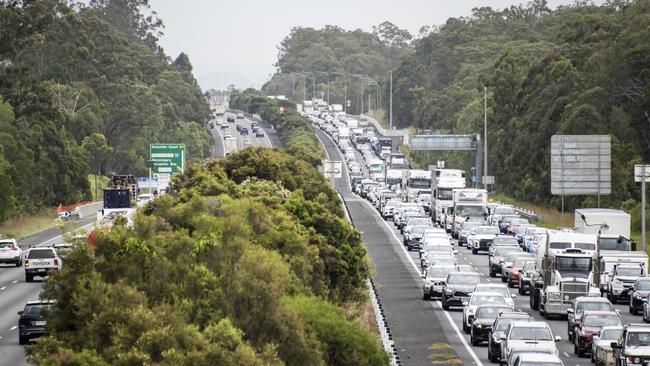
{"points": [[417, 271], [60, 236], [566, 355], [15, 282], [460, 335], [14, 327], [3, 288]]}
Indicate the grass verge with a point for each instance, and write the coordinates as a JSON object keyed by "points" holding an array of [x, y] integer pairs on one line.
{"points": [[380, 116], [23, 226]]}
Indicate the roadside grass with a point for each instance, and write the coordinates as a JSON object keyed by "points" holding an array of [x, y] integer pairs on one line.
{"points": [[548, 217], [97, 192], [443, 354], [23, 226]]}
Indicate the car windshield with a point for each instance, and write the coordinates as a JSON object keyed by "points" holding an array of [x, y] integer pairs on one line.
{"points": [[468, 226], [438, 248], [420, 183], [445, 194], [502, 252], [602, 320], [440, 272], [610, 334], [540, 363], [487, 231], [420, 229], [572, 264], [490, 311], [629, 271], [463, 279], [559, 245], [505, 241], [498, 289], [518, 221], [643, 285], [40, 254], [504, 211], [503, 323], [614, 244], [639, 339], [487, 300], [593, 306], [469, 211], [530, 334]]}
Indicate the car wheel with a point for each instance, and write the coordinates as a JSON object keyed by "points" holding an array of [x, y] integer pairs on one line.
{"points": [[445, 306], [510, 284], [491, 356], [521, 290], [504, 278], [474, 251], [465, 328], [593, 359], [18, 263], [22, 340], [575, 348], [492, 274], [632, 310], [475, 342], [28, 278], [581, 352], [426, 296]]}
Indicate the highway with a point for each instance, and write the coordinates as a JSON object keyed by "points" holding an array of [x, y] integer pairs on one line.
{"points": [[420, 328], [15, 292], [270, 138]]}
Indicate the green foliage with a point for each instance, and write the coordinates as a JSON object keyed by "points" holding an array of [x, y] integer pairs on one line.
{"points": [[315, 52], [575, 70], [86, 88], [244, 263]]}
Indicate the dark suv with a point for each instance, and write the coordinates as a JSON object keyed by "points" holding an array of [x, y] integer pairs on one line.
{"points": [[33, 320]]}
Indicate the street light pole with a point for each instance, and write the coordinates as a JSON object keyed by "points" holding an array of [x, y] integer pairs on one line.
{"points": [[345, 90], [390, 113], [485, 146], [304, 85]]}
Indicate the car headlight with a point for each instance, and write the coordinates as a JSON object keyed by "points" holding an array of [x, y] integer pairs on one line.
{"points": [[449, 291], [637, 296], [634, 359]]}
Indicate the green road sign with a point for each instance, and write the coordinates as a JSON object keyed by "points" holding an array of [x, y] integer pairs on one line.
{"points": [[167, 158]]}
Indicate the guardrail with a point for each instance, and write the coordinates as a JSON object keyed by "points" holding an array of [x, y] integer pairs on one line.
{"points": [[523, 212]]}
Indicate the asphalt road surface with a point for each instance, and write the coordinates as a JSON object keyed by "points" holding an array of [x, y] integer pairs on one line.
{"points": [[15, 292], [270, 138], [421, 328]]}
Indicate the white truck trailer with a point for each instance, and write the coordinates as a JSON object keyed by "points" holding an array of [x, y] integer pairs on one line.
{"points": [[442, 185], [469, 204], [416, 181]]}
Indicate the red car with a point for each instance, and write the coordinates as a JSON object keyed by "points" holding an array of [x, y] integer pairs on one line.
{"points": [[588, 325], [513, 273]]}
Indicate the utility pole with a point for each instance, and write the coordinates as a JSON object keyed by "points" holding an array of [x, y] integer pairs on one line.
{"points": [[643, 179], [485, 140], [390, 114]]}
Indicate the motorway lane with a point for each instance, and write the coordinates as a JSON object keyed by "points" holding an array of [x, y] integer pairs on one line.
{"points": [[270, 139], [15, 292], [420, 329], [411, 259]]}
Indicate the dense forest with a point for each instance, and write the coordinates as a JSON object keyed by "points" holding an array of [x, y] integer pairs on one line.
{"points": [[249, 261], [578, 69], [85, 88], [310, 57]]}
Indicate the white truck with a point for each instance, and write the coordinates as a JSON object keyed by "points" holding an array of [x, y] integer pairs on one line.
{"points": [[219, 110], [442, 185], [352, 123], [376, 169], [613, 227], [563, 272], [229, 145], [469, 204], [417, 180], [336, 108], [395, 178], [344, 133], [40, 262]]}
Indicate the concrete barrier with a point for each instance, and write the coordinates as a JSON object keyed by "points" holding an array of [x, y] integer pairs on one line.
{"points": [[90, 209]]}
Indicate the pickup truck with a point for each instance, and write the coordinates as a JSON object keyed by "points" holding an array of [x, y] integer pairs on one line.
{"points": [[633, 345], [41, 262]]}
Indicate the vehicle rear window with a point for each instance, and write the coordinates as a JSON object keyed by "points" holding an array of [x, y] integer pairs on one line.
{"points": [[6, 245], [602, 320], [40, 254], [36, 309]]}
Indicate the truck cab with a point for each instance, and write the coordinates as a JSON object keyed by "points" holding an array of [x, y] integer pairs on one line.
{"points": [[468, 205], [633, 345]]}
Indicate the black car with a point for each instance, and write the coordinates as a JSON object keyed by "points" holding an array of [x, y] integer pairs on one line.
{"points": [[498, 329], [33, 320], [638, 293], [238, 127], [230, 119], [458, 288], [484, 318], [505, 222], [243, 131]]}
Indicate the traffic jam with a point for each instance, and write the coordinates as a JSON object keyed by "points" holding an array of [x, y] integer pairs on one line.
{"points": [[520, 293]]}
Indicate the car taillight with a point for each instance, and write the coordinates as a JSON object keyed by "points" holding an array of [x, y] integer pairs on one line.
{"points": [[56, 262], [14, 248], [26, 263]]}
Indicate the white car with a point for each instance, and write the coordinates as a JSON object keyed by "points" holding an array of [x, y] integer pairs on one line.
{"points": [[497, 287], [477, 299], [40, 262], [10, 252], [144, 198], [247, 142], [601, 345], [536, 335], [483, 237]]}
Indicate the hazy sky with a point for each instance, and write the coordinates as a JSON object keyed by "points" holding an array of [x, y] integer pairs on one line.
{"points": [[236, 40]]}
